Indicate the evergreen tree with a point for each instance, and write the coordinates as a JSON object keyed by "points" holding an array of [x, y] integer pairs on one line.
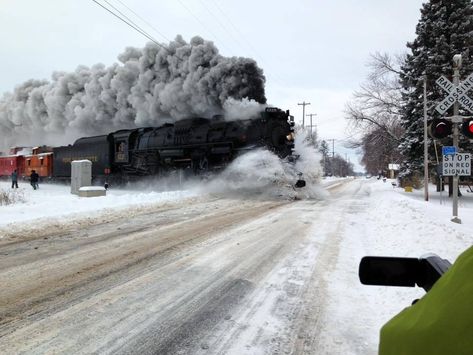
{"points": [[445, 29]]}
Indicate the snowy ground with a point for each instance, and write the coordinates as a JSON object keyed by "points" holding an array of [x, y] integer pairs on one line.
{"points": [[388, 222], [56, 201], [305, 298]]}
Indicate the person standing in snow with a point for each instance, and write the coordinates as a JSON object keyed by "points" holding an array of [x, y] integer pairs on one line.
{"points": [[14, 179], [34, 178]]}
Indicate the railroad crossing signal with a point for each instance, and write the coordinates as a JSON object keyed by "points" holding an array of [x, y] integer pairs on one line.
{"points": [[440, 128], [467, 128], [456, 93]]}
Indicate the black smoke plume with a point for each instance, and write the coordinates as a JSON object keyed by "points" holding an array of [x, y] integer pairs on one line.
{"points": [[149, 87]]}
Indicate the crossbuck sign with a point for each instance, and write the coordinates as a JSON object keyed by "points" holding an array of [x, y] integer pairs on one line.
{"points": [[455, 94]]}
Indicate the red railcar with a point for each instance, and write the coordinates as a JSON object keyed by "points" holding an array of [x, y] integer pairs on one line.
{"points": [[9, 163], [25, 160]]}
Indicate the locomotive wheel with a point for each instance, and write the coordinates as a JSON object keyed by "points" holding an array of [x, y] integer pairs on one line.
{"points": [[152, 163], [203, 164], [200, 164]]}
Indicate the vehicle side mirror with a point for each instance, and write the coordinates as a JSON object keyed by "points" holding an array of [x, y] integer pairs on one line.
{"points": [[407, 272], [388, 271]]}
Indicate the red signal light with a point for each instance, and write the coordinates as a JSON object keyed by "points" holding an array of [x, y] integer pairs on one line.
{"points": [[440, 128], [467, 128]]}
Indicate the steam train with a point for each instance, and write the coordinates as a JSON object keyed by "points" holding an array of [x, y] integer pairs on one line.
{"points": [[197, 144]]}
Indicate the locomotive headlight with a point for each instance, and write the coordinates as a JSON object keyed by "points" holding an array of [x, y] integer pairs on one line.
{"points": [[290, 136]]}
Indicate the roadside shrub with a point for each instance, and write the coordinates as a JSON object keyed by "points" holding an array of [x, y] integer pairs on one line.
{"points": [[415, 180], [9, 197]]}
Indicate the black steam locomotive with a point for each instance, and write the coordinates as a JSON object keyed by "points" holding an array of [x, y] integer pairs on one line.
{"points": [[198, 144]]}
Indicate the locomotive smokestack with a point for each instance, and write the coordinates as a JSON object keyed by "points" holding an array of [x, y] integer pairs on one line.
{"points": [[149, 87]]}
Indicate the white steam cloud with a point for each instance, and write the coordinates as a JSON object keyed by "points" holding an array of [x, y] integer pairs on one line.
{"points": [[149, 87], [237, 109]]}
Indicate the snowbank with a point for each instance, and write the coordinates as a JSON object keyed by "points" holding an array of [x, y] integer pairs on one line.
{"points": [[386, 221], [56, 201]]}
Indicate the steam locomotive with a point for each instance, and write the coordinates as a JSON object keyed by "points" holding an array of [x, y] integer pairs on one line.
{"points": [[197, 144]]}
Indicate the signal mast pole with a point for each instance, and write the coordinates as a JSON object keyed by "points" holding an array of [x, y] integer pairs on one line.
{"points": [[426, 151]]}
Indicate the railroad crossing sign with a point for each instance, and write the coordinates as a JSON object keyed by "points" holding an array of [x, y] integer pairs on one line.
{"points": [[458, 164], [455, 94]]}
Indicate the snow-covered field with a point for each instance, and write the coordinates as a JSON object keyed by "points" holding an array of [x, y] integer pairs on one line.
{"points": [[360, 217], [56, 201]]}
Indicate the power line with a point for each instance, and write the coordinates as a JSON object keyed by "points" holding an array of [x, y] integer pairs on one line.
{"points": [[248, 43], [130, 23], [142, 19], [203, 24], [228, 19], [219, 22], [135, 26]]}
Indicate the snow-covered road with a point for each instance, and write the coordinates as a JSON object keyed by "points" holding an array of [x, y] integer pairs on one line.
{"points": [[207, 275]]}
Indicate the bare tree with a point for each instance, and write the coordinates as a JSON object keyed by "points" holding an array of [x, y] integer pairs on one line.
{"points": [[375, 110], [379, 150], [340, 166]]}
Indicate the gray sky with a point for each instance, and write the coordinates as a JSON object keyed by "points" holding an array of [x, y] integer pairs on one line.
{"points": [[314, 51]]}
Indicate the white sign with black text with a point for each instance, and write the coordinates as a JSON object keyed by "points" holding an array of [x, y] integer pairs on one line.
{"points": [[456, 93], [456, 165]]}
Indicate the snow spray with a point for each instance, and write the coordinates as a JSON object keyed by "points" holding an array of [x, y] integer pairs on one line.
{"points": [[261, 173]]}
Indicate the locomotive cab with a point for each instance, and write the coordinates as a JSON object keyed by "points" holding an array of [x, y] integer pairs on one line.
{"points": [[121, 146]]}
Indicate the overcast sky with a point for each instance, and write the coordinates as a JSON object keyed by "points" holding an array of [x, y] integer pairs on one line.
{"points": [[314, 51]]}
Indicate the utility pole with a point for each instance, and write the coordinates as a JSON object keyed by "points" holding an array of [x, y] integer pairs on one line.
{"points": [[311, 114], [333, 155], [333, 147], [303, 104], [325, 167], [426, 153]]}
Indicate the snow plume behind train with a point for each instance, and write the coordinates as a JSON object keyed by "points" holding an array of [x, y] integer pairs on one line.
{"points": [[149, 87]]}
